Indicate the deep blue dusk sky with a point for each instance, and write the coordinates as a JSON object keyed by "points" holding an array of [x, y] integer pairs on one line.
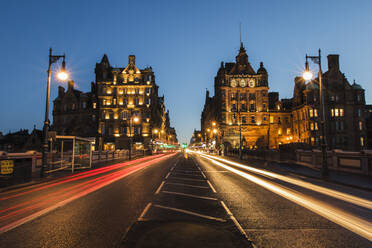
{"points": [[183, 41]]}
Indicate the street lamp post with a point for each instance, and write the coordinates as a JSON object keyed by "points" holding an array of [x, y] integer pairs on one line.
{"points": [[132, 119], [62, 75], [237, 111], [307, 76]]}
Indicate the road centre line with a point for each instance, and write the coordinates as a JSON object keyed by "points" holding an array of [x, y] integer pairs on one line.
{"points": [[190, 213], [188, 179], [187, 174], [189, 171], [189, 185], [336, 215], [144, 211], [160, 186], [232, 217], [210, 185], [190, 195]]}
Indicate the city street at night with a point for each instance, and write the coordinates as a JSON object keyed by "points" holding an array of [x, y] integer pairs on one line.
{"points": [[134, 204]]}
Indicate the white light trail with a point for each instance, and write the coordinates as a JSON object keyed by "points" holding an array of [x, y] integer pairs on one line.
{"points": [[323, 190], [350, 222]]}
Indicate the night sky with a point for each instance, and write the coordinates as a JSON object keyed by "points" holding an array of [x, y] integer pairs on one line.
{"points": [[183, 41]]}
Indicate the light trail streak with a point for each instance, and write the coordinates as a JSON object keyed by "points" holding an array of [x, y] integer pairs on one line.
{"points": [[54, 200], [80, 175], [350, 222], [323, 190]]}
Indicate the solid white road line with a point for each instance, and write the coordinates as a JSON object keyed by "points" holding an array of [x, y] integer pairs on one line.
{"points": [[189, 185], [144, 211], [167, 175], [210, 185], [203, 175], [161, 186], [237, 224], [190, 213], [190, 195]]}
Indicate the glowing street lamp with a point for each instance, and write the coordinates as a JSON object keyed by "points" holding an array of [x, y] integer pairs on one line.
{"points": [[307, 76], [136, 120], [62, 75]]}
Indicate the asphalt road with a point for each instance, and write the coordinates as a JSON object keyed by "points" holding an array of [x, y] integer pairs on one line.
{"points": [[271, 220], [175, 201], [98, 219]]}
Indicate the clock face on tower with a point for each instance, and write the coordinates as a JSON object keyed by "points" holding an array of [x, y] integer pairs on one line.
{"points": [[233, 83], [251, 82], [243, 83]]}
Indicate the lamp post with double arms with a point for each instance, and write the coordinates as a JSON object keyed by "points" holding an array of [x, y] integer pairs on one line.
{"points": [[62, 75], [308, 76]]}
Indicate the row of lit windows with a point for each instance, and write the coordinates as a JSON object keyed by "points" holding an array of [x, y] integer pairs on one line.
{"points": [[125, 102], [335, 112], [121, 91]]}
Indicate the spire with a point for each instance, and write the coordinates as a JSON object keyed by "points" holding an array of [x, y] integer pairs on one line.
{"points": [[240, 33]]}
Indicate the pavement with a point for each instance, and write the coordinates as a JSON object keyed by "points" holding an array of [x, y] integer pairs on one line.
{"points": [[339, 177]]}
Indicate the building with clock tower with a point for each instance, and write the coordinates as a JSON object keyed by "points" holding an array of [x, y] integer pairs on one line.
{"points": [[243, 108]]}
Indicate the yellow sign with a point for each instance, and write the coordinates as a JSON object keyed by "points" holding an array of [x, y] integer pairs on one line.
{"points": [[7, 167]]}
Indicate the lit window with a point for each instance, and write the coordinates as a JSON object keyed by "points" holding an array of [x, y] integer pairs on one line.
{"points": [[311, 126], [361, 141], [271, 119], [360, 125], [336, 112], [288, 131], [279, 131], [332, 112], [316, 125], [341, 112], [315, 112], [311, 112], [94, 105]]}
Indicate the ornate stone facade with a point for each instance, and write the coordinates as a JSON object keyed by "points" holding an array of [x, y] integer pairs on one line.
{"points": [[243, 105], [123, 105]]}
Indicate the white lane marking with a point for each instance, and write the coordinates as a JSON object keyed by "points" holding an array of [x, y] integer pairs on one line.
{"points": [[167, 175], [349, 221], [188, 179], [210, 185], [190, 213], [185, 174], [190, 195], [232, 217], [189, 185], [144, 211], [203, 175], [160, 186], [190, 172]]}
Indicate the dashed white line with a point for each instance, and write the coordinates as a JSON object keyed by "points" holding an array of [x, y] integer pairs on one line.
{"points": [[189, 185], [190, 195], [190, 213], [188, 179], [240, 228], [144, 211], [210, 185], [161, 186]]}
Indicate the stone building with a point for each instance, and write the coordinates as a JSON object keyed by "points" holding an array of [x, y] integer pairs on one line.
{"points": [[123, 106], [242, 105]]}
